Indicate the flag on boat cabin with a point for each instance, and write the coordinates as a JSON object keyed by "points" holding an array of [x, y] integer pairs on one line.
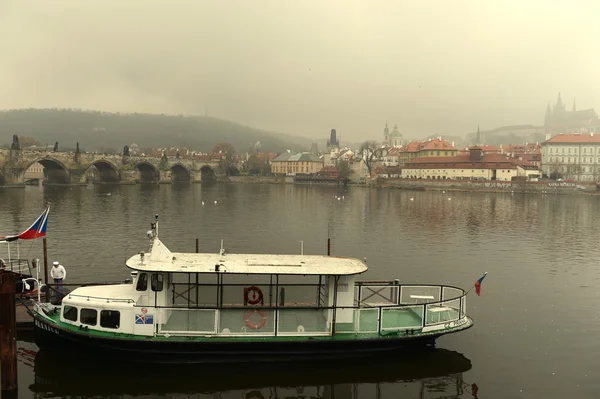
{"points": [[478, 284], [36, 230], [144, 319]]}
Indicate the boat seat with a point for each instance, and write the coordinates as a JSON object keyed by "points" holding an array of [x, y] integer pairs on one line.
{"points": [[425, 297]]}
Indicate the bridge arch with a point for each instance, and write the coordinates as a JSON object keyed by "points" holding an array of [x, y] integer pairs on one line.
{"points": [[104, 171], [148, 173], [207, 174], [55, 172], [180, 173]]}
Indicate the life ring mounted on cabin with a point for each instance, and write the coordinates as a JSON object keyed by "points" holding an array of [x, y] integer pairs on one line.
{"points": [[263, 319], [257, 295]]}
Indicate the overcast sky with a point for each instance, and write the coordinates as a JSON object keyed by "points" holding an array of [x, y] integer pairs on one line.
{"points": [[303, 67]]}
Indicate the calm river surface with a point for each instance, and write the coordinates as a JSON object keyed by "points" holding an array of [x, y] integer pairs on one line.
{"points": [[536, 332]]}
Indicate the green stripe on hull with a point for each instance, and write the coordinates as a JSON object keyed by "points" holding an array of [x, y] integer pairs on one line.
{"points": [[407, 317]]}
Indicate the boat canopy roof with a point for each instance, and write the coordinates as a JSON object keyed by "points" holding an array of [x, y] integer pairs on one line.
{"points": [[160, 259]]}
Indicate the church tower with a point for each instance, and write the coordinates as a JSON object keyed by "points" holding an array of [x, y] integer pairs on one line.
{"points": [[333, 143], [478, 136], [559, 108], [386, 134], [396, 137]]}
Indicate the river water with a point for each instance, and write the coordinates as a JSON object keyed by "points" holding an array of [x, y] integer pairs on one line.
{"points": [[536, 322]]}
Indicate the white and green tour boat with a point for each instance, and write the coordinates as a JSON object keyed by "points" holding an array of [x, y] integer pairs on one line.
{"points": [[197, 307]]}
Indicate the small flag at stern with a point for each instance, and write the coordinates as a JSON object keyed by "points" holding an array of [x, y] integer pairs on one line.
{"points": [[478, 284]]}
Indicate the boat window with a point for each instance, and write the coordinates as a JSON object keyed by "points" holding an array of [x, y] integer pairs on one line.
{"points": [[70, 313], [89, 316], [142, 283], [110, 318], [157, 282]]}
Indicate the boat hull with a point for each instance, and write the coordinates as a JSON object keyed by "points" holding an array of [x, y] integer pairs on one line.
{"points": [[188, 350]]}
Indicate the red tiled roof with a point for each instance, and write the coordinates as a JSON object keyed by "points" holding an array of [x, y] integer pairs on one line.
{"points": [[413, 146], [490, 148], [574, 138], [437, 144], [489, 161]]}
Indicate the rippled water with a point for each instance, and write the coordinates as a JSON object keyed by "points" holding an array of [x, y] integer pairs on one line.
{"points": [[536, 322]]}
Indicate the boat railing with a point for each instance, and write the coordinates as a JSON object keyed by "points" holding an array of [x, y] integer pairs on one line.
{"points": [[378, 308], [17, 266], [102, 298]]}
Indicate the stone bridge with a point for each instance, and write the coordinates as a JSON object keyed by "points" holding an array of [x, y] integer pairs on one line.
{"points": [[72, 168]]}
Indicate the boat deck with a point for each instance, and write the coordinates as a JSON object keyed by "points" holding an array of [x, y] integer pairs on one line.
{"points": [[298, 320]]}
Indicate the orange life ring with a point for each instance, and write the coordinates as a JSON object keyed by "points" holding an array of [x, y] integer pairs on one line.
{"points": [[252, 325], [256, 298]]}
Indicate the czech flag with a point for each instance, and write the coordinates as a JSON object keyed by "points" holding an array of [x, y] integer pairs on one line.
{"points": [[36, 230], [478, 284]]}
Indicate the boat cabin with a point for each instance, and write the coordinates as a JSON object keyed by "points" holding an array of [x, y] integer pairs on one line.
{"points": [[221, 293]]}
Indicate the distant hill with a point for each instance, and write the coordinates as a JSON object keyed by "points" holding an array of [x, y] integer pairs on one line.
{"points": [[95, 130]]}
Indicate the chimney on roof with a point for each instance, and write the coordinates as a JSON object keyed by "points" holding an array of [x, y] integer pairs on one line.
{"points": [[475, 154]]}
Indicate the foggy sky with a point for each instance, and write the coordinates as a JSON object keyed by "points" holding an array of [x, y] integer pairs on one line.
{"points": [[303, 67]]}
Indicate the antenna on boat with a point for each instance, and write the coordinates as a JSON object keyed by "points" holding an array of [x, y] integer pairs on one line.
{"points": [[156, 224], [222, 251]]}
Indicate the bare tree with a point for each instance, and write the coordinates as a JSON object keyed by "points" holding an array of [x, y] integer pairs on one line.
{"points": [[370, 152], [595, 172], [227, 154], [554, 172], [343, 166]]}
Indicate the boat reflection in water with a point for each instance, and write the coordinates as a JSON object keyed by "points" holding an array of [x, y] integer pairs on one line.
{"points": [[424, 373]]}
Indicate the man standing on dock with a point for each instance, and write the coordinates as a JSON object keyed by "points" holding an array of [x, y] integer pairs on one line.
{"points": [[58, 273]]}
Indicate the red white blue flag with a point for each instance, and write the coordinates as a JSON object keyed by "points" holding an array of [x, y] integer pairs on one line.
{"points": [[478, 284], [36, 230]]}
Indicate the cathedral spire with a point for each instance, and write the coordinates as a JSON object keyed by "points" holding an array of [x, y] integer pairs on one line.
{"points": [[478, 136], [548, 113], [559, 102]]}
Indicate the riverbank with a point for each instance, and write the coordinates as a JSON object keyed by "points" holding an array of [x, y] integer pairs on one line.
{"points": [[526, 187], [522, 187], [542, 187]]}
